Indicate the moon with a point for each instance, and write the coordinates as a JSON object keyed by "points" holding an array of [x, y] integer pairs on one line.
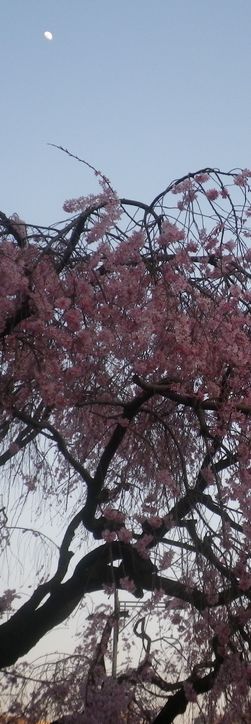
{"points": [[48, 35]]}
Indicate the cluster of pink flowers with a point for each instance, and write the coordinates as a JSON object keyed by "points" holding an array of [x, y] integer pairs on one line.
{"points": [[7, 599], [186, 186], [223, 632], [127, 584], [241, 179], [212, 194], [114, 514], [189, 691], [131, 364], [142, 545], [170, 233], [109, 535], [125, 535], [166, 560], [202, 178]]}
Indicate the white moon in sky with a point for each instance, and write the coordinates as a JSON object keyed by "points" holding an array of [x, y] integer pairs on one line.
{"points": [[48, 35]]}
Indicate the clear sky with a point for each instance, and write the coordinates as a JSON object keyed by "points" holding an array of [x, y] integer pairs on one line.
{"points": [[145, 90]]}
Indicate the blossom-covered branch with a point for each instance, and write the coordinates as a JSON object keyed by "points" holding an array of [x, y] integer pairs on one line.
{"points": [[125, 440]]}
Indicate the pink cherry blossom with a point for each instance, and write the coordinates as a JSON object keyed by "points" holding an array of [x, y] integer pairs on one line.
{"points": [[212, 194], [125, 428], [127, 584]]}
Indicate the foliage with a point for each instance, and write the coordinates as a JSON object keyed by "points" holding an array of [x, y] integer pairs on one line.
{"points": [[125, 415]]}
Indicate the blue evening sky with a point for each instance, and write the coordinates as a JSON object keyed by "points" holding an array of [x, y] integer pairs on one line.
{"points": [[145, 90]]}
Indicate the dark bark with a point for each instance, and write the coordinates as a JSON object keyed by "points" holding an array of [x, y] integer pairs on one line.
{"points": [[177, 703], [36, 618]]}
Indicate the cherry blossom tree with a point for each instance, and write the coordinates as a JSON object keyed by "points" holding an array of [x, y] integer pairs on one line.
{"points": [[125, 424]]}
